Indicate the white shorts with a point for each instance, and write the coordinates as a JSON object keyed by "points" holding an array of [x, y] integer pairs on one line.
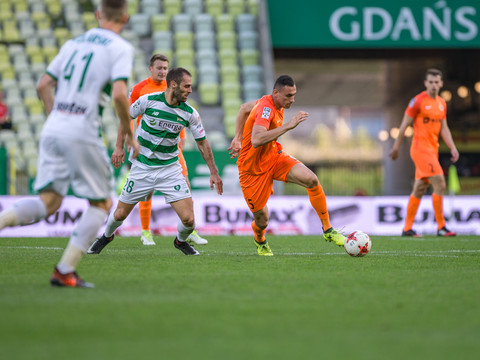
{"points": [[64, 163], [167, 179]]}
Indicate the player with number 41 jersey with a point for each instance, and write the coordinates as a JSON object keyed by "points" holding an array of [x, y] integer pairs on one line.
{"points": [[85, 67]]}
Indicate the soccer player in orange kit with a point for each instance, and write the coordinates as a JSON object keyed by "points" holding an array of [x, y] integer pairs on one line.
{"points": [[158, 68], [262, 160], [427, 113]]}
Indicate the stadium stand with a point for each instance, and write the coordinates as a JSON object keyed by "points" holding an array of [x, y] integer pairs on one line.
{"points": [[218, 41]]}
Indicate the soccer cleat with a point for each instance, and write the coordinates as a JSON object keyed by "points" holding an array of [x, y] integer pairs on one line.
{"points": [[185, 247], [445, 232], [263, 249], [335, 236], [147, 238], [196, 239], [99, 244], [411, 232], [70, 279]]}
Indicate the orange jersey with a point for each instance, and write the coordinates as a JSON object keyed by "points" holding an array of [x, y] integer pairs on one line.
{"points": [[146, 86], [256, 161], [427, 114]]}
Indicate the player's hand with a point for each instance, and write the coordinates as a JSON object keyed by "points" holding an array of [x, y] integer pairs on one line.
{"points": [[297, 119], [216, 181], [393, 154], [132, 143], [118, 157], [235, 147], [455, 155]]}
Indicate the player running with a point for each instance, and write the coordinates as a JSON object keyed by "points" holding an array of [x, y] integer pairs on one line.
{"points": [[262, 160]]}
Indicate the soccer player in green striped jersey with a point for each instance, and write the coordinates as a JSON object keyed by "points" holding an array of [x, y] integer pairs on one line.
{"points": [[164, 115]]}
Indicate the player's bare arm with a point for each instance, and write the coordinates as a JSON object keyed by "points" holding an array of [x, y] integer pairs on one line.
{"points": [[447, 137], [118, 155], [261, 135], [45, 87], [406, 122], [120, 99], [207, 154], [242, 116]]}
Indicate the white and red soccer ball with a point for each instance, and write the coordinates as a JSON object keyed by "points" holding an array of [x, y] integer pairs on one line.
{"points": [[358, 244]]}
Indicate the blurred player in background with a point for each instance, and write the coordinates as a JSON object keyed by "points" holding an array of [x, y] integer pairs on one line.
{"points": [[427, 113], [158, 68], [71, 151], [163, 116], [261, 160]]}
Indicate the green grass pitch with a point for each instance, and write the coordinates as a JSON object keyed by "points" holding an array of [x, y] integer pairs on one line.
{"points": [[407, 299]]}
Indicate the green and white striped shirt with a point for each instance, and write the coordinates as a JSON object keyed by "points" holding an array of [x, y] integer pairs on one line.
{"points": [[159, 130]]}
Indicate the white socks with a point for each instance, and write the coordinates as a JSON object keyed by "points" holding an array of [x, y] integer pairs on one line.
{"points": [[23, 212], [112, 225], [84, 233], [183, 231]]}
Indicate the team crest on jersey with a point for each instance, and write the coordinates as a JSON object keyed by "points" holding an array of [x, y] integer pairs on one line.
{"points": [[440, 106], [266, 112]]}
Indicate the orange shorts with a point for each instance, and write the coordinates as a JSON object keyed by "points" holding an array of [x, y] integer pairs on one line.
{"points": [[257, 189], [426, 165], [181, 160]]}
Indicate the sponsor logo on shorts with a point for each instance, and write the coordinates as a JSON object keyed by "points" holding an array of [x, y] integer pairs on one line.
{"points": [[71, 108], [177, 187]]}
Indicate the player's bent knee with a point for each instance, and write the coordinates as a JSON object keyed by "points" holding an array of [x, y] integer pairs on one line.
{"points": [[262, 224], [311, 181]]}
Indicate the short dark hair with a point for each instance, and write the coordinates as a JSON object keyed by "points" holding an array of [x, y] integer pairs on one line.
{"points": [[434, 72], [176, 74], [156, 57], [113, 10], [282, 81]]}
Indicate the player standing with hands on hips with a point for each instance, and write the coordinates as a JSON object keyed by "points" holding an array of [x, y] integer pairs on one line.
{"points": [[164, 116], [427, 113], [71, 151], [262, 160]]}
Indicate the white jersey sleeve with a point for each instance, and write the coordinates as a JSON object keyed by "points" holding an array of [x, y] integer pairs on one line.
{"points": [[196, 126], [55, 67], [139, 106]]}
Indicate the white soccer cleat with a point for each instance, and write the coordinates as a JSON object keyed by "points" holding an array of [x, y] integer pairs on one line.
{"points": [[147, 238], [196, 239]]}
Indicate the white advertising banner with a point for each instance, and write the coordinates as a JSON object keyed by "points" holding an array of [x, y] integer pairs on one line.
{"points": [[223, 215]]}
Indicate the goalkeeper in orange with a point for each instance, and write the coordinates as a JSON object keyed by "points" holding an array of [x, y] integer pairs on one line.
{"points": [[158, 68], [262, 160]]}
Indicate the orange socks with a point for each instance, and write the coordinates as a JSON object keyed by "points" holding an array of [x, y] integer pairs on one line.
{"points": [[319, 203], [145, 208], [437, 201], [259, 233], [412, 208]]}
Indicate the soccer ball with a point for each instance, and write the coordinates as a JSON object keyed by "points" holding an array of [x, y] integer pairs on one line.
{"points": [[358, 244]]}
